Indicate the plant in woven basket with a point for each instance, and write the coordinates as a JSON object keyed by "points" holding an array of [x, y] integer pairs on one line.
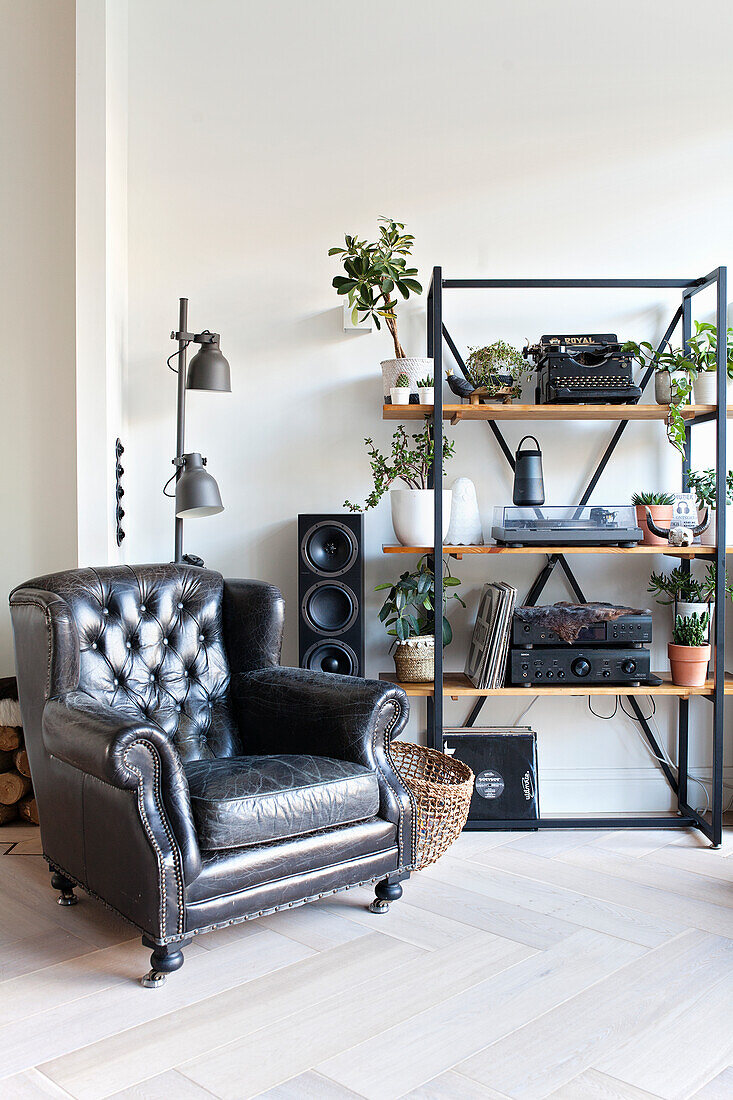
{"points": [[409, 607], [402, 382], [375, 272], [691, 630], [497, 366], [407, 462], [652, 498]]}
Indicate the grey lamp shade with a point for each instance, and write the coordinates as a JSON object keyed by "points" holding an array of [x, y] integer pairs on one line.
{"points": [[197, 494], [209, 370]]}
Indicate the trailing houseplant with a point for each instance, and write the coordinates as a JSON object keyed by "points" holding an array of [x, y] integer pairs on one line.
{"points": [[497, 369], [689, 650], [409, 461], [660, 505], [375, 276], [677, 371], [408, 613]]}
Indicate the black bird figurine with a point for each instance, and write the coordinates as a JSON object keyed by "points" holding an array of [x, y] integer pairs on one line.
{"points": [[461, 387]]}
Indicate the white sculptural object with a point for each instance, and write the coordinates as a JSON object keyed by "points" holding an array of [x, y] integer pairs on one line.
{"points": [[465, 520]]}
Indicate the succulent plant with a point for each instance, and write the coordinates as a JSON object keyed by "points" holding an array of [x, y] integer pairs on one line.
{"points": [[652, 498], [691, 629], [402, 382], [425, 383]]}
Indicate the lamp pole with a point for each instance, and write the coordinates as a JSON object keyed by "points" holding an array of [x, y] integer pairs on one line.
{"points": [[181, 412]]}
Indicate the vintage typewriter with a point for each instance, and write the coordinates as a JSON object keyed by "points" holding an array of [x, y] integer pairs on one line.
{"points": [[575, 370]]}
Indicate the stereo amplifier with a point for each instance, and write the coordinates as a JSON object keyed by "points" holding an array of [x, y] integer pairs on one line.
{"points": [[627, 630], [566, 665]]}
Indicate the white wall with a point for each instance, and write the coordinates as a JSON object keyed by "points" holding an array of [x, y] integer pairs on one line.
{"points": [[519, 139], [37, 407]]}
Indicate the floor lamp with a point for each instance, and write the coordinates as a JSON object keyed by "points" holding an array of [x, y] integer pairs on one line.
{"points": [[197, 493]]}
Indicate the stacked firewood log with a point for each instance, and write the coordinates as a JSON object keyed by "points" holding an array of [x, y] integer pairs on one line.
{"points": [[16, 791]]}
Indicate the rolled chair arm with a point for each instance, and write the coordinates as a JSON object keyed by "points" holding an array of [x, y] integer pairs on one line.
{"points": [[294, 710], [123, 751]]}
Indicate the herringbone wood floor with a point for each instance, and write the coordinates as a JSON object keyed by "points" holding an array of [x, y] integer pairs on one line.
{"points": [[576, 965]]}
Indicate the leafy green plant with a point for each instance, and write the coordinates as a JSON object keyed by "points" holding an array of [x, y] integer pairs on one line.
{"points": [[691, 630], [652, 498], [702, 483], [409, 607], [402, 382], [373, 271], [485, 365], [407, 462], [704, 345], [683, 367], [425, 383], [678, 585]]}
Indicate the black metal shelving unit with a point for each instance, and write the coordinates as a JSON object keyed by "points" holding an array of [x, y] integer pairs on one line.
{"points": [[709, 823]]}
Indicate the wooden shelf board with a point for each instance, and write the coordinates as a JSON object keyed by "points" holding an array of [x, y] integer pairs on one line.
{"points": [[455, 684], [459, 551], [545, 412]]}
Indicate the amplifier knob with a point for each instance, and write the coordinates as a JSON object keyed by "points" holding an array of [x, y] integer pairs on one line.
{"points": [[628, 667], [580, 667]]}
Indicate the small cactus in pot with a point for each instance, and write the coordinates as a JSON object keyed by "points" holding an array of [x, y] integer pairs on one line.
{"points": [[400, 392], [425, 390]]}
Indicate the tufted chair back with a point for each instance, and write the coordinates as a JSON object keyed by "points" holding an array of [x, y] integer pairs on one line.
{"points": [[150, 644]]}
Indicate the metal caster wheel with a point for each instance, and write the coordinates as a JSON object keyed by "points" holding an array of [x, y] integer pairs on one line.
{"points": [[66, 887], [379, 906]]}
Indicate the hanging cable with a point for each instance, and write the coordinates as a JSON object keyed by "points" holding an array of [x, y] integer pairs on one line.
{"points": [[603, 717], [175, 353]]}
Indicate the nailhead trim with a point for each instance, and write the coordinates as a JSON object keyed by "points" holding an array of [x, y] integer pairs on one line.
{"points": [[151, 836]]}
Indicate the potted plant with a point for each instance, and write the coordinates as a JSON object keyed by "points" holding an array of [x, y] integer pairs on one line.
{"points": [[703, 352], [689, 651], [400, 392], [497, 371], [678, 371], [375, 272], [660, 505], [689, 594], [412, 508], [702, 483], [408, 614], [425, 390]]}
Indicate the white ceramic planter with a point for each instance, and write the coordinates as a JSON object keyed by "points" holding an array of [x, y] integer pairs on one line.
{"points": [[415, 369], [426, 394], [705, 388], [707, 538], [412, 515], [400, 395]]}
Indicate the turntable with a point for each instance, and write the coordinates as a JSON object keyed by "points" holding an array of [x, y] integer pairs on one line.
{"points": [[567, 525]]}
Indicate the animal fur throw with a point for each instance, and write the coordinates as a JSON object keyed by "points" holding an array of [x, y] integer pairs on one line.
{"points": [[9, 706], [568, 619]]}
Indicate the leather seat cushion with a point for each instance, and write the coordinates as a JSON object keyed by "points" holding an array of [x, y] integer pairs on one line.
{"points": [[239, 801]]}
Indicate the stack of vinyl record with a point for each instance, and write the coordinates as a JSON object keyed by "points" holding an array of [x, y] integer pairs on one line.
{"points": [[487, 655]]}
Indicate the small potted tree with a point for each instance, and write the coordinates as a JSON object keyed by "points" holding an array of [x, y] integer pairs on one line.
{"points": [[400, 392], [412, 508], [497, 371], [689, 650], [689, 594], [703, 352], [408, 614], [660, 505], [376, 273]]}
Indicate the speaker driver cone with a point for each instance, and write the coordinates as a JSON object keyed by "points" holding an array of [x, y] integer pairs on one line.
{"points": [[329, 548], [331, 657], [330, 607]]}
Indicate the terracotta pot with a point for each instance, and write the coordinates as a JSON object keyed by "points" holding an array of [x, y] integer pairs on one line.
{"points": [[662, 516], [689, 664]]}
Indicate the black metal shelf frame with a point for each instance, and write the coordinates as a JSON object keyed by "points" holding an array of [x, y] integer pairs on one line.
{"points": [[711, 823]]}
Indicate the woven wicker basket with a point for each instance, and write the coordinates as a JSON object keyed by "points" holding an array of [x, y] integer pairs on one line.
{"points": [[442, 788], [414, 660]]}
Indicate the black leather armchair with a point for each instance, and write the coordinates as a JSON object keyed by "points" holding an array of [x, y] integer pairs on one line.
{"points": [[185, 778]]}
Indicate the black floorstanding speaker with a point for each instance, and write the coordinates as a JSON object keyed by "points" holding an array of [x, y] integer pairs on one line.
{"points": [[331, 593]]}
